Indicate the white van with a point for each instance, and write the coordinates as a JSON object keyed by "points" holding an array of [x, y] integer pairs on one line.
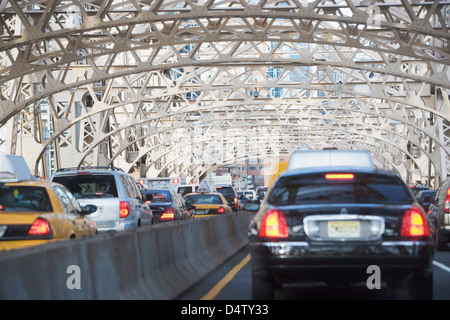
{"points": [[161, 183], [330, 158], [187, 188]]}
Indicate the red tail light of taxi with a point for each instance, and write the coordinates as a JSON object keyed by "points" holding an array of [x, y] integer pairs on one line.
{"points": [[40, 228], [235, 202], [168, 214], [221, 210], [124, 209], [414, 223], [274, 225]]}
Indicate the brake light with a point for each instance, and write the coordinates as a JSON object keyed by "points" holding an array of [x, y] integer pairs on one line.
{"points": [[221, 210], [339, 176], [414, 223], [168, 214], [446, 207], [1, 207], [274, 225], [124, 209], [235, 202], [40, 227]]}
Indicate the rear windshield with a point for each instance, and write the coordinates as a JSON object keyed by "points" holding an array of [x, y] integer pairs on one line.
{"points": [[204, 199], [363, 188], [89, 185], [226, 191], [185, 190], [158, 196], [24, 198]]}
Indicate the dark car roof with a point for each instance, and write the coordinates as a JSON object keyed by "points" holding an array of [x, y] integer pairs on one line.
{"points": [[144, 191], [294, 172], [426, 191]]}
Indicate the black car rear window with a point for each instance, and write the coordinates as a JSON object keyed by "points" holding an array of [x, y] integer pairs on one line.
{"points": [[204, 199], [24, 198], [89, 185], [158, 196], [226, 191], [316, 189]]}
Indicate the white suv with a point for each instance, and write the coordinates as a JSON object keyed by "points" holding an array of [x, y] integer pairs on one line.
{"points": [[119, 201]]}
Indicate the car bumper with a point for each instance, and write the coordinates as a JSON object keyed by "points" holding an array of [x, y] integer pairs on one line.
{"points": [[294, 261], [444, 231], [18, 244]]}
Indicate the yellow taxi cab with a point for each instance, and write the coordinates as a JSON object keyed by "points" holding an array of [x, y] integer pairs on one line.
{"points": [[278, 168], [34, 212], [205, 204]]}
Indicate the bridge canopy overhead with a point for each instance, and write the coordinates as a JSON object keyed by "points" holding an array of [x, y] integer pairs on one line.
{"points": [[184, 87]]}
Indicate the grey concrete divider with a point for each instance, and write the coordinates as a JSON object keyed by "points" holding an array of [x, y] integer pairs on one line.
{"points": [[156, 262]]}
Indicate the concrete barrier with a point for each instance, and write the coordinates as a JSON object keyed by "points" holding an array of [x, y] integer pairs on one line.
{"points": [[157, 262]]}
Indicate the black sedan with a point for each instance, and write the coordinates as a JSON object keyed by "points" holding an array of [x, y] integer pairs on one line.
{"points": [[166, 205], [341, 226], [425, 198]]}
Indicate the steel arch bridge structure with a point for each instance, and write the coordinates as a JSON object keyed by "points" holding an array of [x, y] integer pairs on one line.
{"points": [[184, 87]]}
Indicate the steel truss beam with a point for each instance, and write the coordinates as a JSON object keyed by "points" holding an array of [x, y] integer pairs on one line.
{"points": [[121, 78]]}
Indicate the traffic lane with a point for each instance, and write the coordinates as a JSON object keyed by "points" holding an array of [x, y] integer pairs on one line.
{"points": [[239, 286]]}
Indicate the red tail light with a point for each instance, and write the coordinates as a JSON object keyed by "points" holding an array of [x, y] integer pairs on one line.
{"points": [[124, 209], [168, 214], [221, 210], [414, 223], [235, 203], [446, 207], [40, 227], [274, 225]]}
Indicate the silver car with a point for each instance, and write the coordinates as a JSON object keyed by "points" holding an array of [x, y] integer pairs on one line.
{"points": [[119, 201]]}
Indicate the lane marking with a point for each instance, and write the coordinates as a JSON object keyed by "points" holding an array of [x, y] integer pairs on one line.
{"points": [[225, 280], [441, 265]]}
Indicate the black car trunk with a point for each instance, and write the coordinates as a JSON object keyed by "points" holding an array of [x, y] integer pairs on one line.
{"points": [[391, 215]]}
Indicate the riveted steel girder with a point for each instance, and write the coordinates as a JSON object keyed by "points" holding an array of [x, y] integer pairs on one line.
{"points": [[129, 81]]}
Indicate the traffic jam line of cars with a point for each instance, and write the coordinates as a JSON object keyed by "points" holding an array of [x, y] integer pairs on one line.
{"points": [[34, 212], [81, 202], [331, 215]]}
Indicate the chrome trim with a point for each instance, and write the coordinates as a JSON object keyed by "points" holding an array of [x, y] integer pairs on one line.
{"points": [[315, 235], [307, 244]]}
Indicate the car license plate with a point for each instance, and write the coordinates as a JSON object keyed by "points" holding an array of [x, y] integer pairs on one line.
{"points": [[343, 229], [2, 230], [200, 211]]}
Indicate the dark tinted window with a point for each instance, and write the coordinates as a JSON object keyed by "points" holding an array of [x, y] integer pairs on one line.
{"points": [[159, 196], [185, 190], [363, 188], [89, 185], [204, 198], [24, 198], [226, 191]]}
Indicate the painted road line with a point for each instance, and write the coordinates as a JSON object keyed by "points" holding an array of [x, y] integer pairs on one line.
{"points": [[225, 280], [442, 266]]}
